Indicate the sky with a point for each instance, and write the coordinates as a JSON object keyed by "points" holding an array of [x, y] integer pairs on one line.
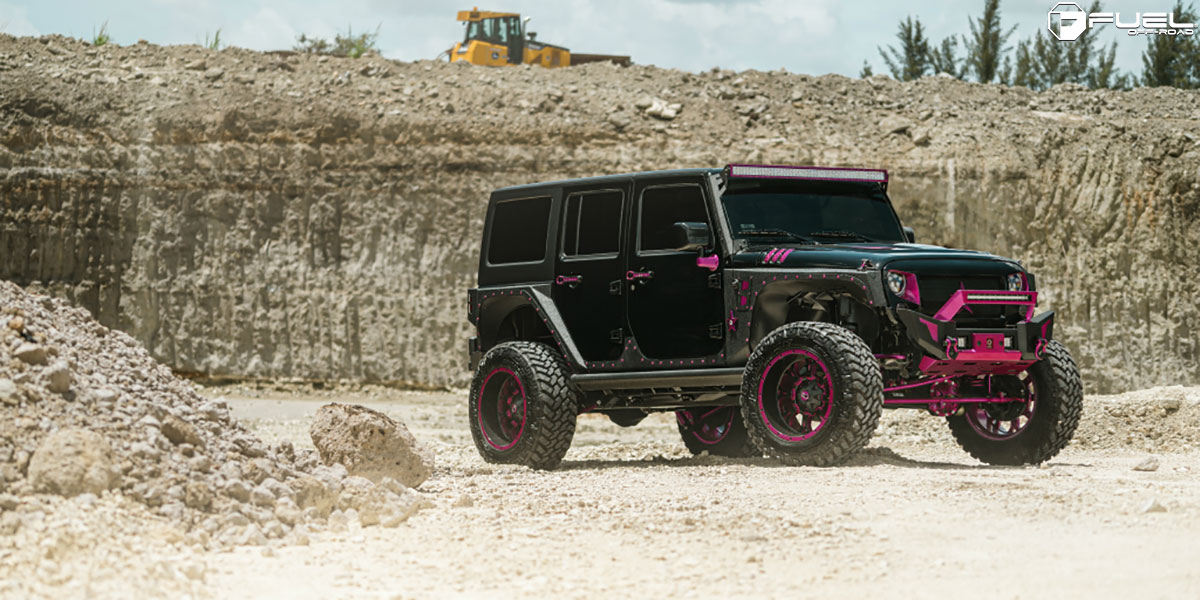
{"points": [[802, 36]]}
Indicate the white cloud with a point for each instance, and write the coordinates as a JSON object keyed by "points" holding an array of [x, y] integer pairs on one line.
{"points": [[264, 30], [14, 20]]}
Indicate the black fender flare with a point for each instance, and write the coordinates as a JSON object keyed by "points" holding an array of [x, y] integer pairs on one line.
{"points": [[492, 305]]}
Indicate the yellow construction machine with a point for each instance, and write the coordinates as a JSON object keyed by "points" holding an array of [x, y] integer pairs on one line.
{"points": [[497, 39]]}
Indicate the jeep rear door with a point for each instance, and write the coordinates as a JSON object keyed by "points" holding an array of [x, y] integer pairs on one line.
{"points": [[589, 269], [674, 305]]}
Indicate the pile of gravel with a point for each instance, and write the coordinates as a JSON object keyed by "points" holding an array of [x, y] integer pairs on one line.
{"points": [[86, 413]]}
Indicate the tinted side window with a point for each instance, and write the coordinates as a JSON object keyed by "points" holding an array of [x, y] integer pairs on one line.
{"points": [[593, 223], [662, 207], [519, 231]]}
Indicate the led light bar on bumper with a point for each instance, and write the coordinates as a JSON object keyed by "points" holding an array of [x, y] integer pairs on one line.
{"points": [[811, 173]]}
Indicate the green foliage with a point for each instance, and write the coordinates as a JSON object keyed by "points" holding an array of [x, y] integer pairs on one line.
{"points": [[1105, 75], [1041, 61], [1173, 60], [215, 42], [355, 46], [1044, 61], [866, 71], [348, 45], [101, 38], [1049, 61], [944, 58], [311, 45], [986, 44], [911, 60], [1022, 73]]}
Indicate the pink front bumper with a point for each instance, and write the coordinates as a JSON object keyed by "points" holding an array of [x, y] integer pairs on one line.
{"points": [[986, 352]]}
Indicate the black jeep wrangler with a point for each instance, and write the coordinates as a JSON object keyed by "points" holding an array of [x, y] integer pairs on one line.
{"points": [[775, 310]]}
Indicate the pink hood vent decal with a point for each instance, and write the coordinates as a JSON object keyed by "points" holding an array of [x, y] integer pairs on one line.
{"points": [[776, 256]]}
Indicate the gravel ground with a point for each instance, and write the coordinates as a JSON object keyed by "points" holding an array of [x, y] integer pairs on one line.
{"points": [[631, 515]]}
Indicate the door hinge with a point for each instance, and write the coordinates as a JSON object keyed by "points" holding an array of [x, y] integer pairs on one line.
{"points": [[615, 286], [617, 335], [717, 331], [714, 281]]}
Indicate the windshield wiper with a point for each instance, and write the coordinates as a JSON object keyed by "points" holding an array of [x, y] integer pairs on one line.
{"points": [[776, 233], [838, 233]]}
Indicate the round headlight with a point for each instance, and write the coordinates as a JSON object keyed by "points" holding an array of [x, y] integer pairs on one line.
{"points": [[1016, 282], [895, 283]]}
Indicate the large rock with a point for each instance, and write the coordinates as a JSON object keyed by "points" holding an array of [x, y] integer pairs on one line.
{"points": [[73, 461], [369, 444], [179, 431], [8, 391], [31, 353], [58, 377]]}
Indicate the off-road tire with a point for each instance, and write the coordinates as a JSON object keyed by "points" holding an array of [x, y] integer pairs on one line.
{"points": [[734, 443], [1059, 405], [550, 400], [857, 393]]}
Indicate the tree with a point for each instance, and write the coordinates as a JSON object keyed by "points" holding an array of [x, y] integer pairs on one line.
{"points": [[1104, 74], [1044, 61], [1023, 71], [986, 44], [1078, 56], [1049, 66], [944, 58], [866, 71], [1172, 59], [1005, 74], [911, 60]]}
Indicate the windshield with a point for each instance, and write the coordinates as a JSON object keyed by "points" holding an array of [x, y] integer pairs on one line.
{"points": [[496, 29], [768, 211]]}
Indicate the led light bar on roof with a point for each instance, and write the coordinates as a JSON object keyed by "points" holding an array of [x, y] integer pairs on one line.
{"points": [[814, 173]]}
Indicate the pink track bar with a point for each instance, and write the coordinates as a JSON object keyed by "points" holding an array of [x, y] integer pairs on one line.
{"points": [[936, 400], [917, 384]]}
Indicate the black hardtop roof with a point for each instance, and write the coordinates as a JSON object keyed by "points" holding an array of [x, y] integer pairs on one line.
{"points": [[609, 179]]}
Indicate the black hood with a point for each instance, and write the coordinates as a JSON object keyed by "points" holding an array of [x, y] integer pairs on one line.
{"points": [[914, 258]]}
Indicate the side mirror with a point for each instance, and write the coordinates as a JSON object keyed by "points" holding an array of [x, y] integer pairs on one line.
{"points": [[910, 235], [692, 237]]}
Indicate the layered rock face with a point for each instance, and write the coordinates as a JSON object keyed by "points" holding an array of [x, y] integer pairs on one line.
{"points": [[288, 216]]}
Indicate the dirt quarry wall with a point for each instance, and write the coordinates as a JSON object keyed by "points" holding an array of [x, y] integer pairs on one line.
{"points": [[272, 215]]}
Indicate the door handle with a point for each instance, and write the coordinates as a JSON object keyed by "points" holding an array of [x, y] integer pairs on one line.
{"points": [[636, 277], [571, 281], [708, 262]]}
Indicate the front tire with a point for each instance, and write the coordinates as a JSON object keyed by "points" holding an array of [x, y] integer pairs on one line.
{"points": [[1032, 429], [718, 430], [812, 394], [522, 406]]}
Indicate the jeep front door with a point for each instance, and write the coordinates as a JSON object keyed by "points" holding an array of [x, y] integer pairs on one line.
{"points": [[674, 304], [590, 269]]}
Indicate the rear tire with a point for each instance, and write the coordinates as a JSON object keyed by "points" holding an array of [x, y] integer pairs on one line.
{"points": [[812, 394], [1033, 431], [719, 430], [523, 406]]}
